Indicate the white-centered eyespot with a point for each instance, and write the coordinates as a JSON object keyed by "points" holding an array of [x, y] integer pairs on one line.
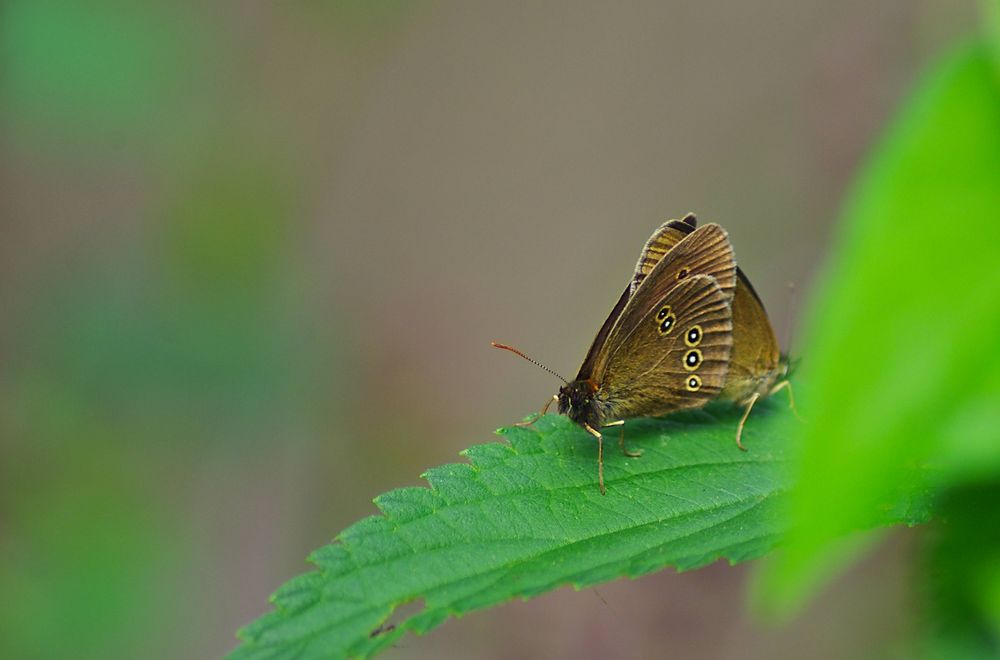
{"points": [[693, 336], [692, 359]]}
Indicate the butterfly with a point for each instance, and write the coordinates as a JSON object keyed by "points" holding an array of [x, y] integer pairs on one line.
{"points": [[688, 329]]}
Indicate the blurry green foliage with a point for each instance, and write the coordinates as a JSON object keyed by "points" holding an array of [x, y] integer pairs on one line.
{"points": [[991, 15], [78, 70], [136, 362], [962, 574], [903, 372], [204, 331], [226, 227], [81, 563], [139, 356]]}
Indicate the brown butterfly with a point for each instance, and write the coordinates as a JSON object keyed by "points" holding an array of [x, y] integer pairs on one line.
{"points": [[687, 329], [756, 366]]}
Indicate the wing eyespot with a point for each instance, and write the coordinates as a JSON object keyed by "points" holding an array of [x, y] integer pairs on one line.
{"points": [[693, 383], [665, 319], [693, 336], [682, 273], [692, 359]]}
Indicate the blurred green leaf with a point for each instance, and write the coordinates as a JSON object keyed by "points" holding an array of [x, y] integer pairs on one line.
{"points": [[84, 557], [962, 575], [73, 68], [902, 369], [189, 337], [526, 518], [991, 17], [227, 224]]}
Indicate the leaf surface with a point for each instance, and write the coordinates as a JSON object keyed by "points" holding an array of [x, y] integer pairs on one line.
{"points": [[526, 517]]}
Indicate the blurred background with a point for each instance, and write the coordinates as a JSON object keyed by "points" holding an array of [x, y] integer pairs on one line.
{"points": [[253, 255]]}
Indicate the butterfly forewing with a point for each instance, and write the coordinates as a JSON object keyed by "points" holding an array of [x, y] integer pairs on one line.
{"points": [[662, 241], [676, 357], [600, 341], [706, 251], [659, 244]]}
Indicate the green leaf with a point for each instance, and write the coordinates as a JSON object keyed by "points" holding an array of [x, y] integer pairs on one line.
{"points": [[78, 71], [527, 517], [991, 19], [961, 571], [902, 368]]}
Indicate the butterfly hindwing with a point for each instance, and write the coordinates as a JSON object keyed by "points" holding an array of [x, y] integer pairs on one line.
{"points": [[756, 358], [677, 356]]}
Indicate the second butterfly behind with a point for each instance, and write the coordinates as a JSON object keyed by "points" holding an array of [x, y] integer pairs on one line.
{"points": [[687, 329]]}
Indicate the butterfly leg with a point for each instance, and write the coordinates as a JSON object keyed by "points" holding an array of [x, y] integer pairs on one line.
{"points": [[746, 413], [600, 456], [539, 415], [787, 385], [621, 439]]}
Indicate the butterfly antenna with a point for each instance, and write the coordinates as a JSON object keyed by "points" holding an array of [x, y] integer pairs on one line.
{"points": [[534, 362]]}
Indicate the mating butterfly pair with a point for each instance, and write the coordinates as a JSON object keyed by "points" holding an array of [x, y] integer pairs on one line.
{"points": [[687, 329]]}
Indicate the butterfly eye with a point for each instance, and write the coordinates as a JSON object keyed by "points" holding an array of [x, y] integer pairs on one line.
{"points": [[682, 273], [692, 359], [693, 336], [667, 324], [693, 383]]}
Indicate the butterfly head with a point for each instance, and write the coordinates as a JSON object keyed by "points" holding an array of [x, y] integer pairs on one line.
{"points": [[578, 401]]}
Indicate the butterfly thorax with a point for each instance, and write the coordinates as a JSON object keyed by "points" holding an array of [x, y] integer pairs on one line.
{"points": [[580, 402]]}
